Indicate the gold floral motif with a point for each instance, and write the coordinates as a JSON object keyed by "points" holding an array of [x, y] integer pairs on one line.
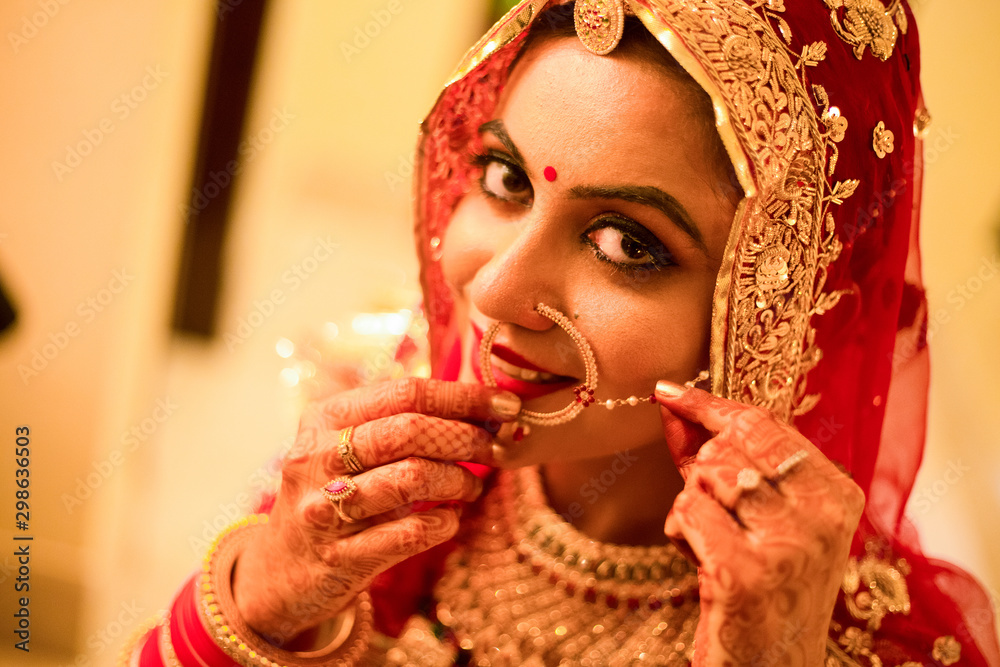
{"points": [[882, 140], [867, 23], [772, 272], [743, 56], [947, 650], [851, 648], [921, 123], [873, 588], [814, 54], [855, 641], [835, 124], [599, 24]]}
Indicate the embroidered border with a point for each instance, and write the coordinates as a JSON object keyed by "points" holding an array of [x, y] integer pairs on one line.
{"points": [[781, 130]]}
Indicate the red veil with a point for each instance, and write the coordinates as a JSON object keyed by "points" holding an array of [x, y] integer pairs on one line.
{"points": [[819, 311]]}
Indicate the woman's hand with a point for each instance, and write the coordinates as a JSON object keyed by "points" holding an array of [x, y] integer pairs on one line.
{"points": [[771, 554], [309, 563]]}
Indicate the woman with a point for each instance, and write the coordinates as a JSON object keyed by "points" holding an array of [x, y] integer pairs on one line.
{"points": [[616, 196]]}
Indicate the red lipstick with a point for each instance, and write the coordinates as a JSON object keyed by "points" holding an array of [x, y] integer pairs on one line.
{"points": [[526, 390]]}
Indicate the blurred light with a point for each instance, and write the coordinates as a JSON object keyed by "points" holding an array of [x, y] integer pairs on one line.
{"points": [[382, 324], [397, 323], [366, 324], [420, 327], [305, 369], [835, 111], [284, 347], [330, 330], [289, 377]]}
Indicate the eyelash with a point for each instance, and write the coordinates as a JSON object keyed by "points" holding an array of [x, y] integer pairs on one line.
{"points": [[660, 255], [627, 228], [488, 157]]}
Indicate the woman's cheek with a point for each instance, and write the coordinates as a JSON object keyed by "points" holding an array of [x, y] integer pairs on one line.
{"points": [[464, 248]]}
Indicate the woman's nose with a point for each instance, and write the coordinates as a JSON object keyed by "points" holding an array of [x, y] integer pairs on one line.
{"points": [[523, 266]]}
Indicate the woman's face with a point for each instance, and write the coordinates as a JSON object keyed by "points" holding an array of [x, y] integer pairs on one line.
{"points": [[597, 197]]}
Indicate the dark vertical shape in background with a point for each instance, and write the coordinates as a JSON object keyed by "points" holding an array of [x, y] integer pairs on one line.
{"points": [[7, 313], [238, 27]]}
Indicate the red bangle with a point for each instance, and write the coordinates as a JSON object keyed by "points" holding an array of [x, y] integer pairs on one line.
{"points": [[192, 642]]}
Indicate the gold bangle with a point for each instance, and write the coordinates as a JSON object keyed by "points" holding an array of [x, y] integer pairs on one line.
{"points": [[131, 644], [217, 610], [167, 653]]}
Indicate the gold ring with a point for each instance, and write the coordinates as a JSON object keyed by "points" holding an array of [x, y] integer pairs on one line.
{"points": [[785, 466], [346, 450], [337, 490], [748, 479]]}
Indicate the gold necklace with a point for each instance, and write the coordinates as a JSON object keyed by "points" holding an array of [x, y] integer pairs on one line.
{"points": [[526, 588]]}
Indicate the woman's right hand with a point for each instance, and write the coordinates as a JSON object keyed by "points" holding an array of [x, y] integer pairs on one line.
{"points": [[308, 564]]}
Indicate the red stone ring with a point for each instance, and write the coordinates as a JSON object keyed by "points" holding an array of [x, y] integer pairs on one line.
{"points": [[337, 490]]}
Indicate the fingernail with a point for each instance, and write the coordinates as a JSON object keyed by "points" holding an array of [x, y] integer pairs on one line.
{"points": [[475, 492], [667, 389], [506, 404]]}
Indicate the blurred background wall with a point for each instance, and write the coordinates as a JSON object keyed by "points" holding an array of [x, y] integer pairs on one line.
{"points": [[144, 443]]}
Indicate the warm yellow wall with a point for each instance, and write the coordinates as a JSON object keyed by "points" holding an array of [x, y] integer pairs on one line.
{"points": [[64, 68], [342, 128], [957, 495]]}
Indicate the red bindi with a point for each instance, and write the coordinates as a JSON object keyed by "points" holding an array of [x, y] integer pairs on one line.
{"points": [[550, 174]]}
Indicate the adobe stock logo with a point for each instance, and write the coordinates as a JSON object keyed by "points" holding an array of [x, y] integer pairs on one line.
{"points": [[247, 151], [294, 277], [131, 440], [30, 25]]}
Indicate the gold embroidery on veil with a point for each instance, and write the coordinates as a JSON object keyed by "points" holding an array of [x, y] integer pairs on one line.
{"points": [[868, 23], [785, 132]]}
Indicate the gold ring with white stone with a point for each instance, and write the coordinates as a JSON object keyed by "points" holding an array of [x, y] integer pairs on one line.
{"points": [[748, 479], [785, 466]]}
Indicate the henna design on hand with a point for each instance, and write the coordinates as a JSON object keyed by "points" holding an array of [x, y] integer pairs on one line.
{"points": [[309, 564], [771, 558]]}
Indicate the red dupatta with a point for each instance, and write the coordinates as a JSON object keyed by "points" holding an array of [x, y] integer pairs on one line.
{"points": [[819, 310]]}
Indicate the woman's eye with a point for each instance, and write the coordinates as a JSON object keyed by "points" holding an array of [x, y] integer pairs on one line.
{"points": [[504, 180], [627, 244]]}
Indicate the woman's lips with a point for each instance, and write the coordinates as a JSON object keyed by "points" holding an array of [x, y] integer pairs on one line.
{"points": [[516, 374]]}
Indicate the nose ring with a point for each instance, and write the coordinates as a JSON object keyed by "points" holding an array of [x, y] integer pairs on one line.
{"points": [[586, 391]]}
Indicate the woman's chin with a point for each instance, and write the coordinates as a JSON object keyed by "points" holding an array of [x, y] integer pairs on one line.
{"points": [[509, 449], [537, 445]]}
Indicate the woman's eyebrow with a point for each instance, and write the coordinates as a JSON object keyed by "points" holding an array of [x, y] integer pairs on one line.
{"points": [[645, 195], [497, 129]]}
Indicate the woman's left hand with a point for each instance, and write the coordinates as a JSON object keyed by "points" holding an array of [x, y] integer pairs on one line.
{"points": [[771, 544]]}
